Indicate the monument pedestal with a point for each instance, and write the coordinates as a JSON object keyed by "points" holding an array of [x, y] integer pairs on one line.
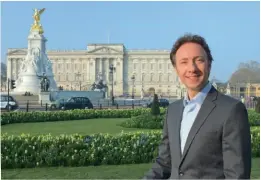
{"points": [[44, 97], [30, 84], [29, 81]]}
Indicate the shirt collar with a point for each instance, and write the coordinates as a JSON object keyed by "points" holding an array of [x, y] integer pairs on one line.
{"points": [[200, 97]]}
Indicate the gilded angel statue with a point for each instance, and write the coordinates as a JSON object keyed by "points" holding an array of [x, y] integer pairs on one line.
{"points": [[37, 25], [37, 14]]}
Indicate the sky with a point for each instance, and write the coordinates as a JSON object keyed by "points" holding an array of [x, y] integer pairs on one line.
{"points": [[232, 29]]}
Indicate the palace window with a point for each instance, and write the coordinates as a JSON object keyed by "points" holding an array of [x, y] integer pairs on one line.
{"points": [[143, 77], [151, 77], [169, 78], [242, 89], [160, 78]]}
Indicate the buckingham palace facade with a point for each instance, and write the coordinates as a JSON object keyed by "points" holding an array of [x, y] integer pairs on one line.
{"points": [[79, 69]]}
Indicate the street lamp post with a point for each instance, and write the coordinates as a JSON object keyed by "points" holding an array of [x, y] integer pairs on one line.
{"points": [[112, 69], [133, 79]]}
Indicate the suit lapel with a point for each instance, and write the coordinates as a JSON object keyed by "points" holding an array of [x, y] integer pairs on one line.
{"points": [[206, 108], [178, 114]]}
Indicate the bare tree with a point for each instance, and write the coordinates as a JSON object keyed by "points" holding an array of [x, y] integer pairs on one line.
{"points": [[247, 72], [251, 65]]}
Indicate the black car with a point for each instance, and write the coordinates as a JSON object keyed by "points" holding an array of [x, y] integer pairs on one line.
{"points": [[162, 103], [76, 103], [12, 105]]}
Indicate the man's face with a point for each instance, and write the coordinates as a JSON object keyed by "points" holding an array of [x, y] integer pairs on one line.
{"points": [[192, 66]]}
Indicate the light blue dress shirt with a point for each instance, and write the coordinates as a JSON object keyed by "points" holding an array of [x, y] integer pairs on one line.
{"points": [[191, 109]]}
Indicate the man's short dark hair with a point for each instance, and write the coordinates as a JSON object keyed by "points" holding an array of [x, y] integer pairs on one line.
{"points": [[190, 38]]}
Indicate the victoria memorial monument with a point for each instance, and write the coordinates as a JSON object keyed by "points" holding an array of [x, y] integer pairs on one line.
{"points": [[35, 71]]}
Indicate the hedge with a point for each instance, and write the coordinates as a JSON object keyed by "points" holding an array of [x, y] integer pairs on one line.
{"points": [[23, 117], [254, 117], [75, 150], [78, 114], [147, 121]]}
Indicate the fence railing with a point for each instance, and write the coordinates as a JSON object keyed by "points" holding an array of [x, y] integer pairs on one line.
{"points": [[33, 105]]}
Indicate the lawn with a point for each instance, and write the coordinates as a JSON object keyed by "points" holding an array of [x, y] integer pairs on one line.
{"points": [[132, 171], [84, 127], [90, 126]]}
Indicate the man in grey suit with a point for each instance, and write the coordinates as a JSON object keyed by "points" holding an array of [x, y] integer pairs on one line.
{"points": [[206, 134]]}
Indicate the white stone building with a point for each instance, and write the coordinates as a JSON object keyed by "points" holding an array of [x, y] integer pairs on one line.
{"points": [[78, 69]]}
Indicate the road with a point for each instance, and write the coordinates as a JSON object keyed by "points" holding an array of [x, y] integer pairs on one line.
{"points": [[39, 108], [106, 103]]}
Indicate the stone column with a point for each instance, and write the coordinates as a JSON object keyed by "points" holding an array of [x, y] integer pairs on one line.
{"points": [[92, 70], [104, 70], [116, 76], [96, 67], [114, 62], [20, 64], [13, 68], [121, 69], [107, 71], [9, 68], [88, 70], [121, 74], [100, 65], [16, 68]]}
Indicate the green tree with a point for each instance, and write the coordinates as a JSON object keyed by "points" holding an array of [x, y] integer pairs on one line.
{"points": [[3, 74], [155, 109]]}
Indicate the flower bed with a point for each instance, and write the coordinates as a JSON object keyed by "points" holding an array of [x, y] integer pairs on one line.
{"points": [[75, 150]]}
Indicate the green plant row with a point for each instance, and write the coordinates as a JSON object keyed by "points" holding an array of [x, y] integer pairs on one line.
{"points": [[253, 117], [75, 150], [23, 117], [148, 121], [145, 121]]}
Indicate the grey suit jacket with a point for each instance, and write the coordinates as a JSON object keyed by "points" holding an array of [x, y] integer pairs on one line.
{"points": [[218, 145]]}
